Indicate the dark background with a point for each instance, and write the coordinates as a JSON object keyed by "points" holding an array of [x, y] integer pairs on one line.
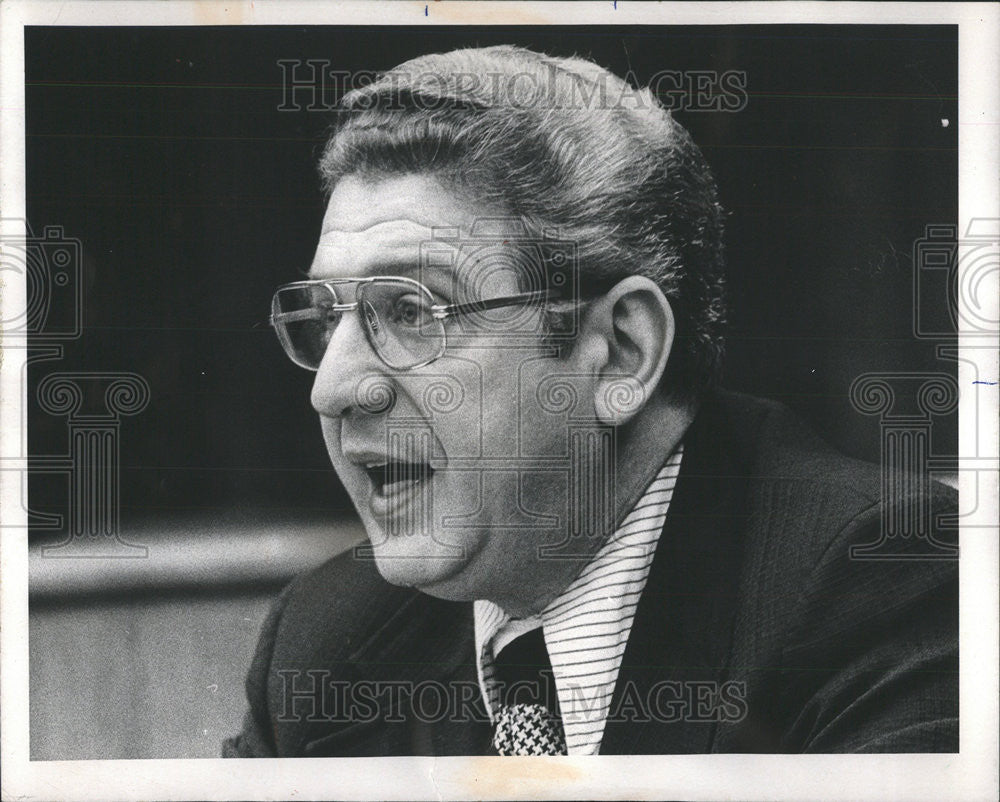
{"points": [[164, 152]]}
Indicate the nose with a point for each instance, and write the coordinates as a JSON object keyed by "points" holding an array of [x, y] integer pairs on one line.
{"points": [[348, 371]]}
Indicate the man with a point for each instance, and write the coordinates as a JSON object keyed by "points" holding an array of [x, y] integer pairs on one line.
{"points": [[578, 544]]}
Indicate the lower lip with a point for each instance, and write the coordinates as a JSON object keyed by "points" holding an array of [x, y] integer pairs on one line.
{"points": [[400, 496]]}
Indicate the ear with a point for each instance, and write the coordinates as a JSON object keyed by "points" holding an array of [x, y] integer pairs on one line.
{"points": [[625, 340]]}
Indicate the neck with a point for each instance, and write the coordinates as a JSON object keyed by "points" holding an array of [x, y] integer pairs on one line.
{"points": [[641, 448]]}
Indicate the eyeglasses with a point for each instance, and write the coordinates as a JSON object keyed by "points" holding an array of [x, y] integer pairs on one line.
{"points": [[402, 322]]}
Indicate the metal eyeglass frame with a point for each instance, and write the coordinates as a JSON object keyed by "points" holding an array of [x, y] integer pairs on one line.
{"points": [[438, 311]]}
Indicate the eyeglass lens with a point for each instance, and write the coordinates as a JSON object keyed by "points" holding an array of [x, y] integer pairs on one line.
{"points": [[400, 323], [396, 317]]}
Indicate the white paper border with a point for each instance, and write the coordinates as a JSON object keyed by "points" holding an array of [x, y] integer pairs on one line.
{"points": [[972, 774]]}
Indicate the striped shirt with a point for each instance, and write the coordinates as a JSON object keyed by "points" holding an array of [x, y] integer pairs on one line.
{"points": [[587, 626]]}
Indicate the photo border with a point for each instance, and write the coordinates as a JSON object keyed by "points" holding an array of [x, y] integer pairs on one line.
{"points": [[970, 774]]}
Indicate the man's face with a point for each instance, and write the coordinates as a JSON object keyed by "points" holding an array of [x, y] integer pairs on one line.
{"points": [[434, 457]]}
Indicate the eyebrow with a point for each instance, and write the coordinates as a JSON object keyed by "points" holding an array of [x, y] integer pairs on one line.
{"points": [[402, 253], [394, 266]]}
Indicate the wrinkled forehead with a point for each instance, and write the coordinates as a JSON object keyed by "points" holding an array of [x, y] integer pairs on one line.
{"points": [[378, 226], [411, 225], [380, 249]]}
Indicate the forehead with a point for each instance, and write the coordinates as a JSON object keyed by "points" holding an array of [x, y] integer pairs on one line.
{"points": [[378, 226]]}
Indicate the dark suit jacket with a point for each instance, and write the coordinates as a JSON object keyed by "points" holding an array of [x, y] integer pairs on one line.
{"points": [[757, 631]]}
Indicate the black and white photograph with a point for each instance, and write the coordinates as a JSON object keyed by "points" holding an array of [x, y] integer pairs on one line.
{"points": [[540, 401]]}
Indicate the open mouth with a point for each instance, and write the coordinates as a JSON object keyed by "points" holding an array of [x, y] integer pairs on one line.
{"points": [[394, 477]]}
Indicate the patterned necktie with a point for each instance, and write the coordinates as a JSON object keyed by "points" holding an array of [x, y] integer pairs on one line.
{"points": [[528, 721]]}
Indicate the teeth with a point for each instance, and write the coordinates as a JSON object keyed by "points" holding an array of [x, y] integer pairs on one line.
{"points": [[396, 476], [401, 484]]}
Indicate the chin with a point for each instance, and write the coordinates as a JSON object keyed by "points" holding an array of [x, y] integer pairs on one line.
{"points": [[405, 561], [444, 576]]}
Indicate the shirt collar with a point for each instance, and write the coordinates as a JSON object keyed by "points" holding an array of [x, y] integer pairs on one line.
{"points": [[630, 548]]}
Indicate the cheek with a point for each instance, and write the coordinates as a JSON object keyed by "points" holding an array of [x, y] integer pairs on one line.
{"points": [[548, 401], [345, 471], [331, 435]]}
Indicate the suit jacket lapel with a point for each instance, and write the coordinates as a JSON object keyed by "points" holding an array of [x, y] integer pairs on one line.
{"points": [[678, 648], [423, 650]]}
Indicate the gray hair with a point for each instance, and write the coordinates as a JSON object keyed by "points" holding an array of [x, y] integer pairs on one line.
{"points": [[562, 144]]}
